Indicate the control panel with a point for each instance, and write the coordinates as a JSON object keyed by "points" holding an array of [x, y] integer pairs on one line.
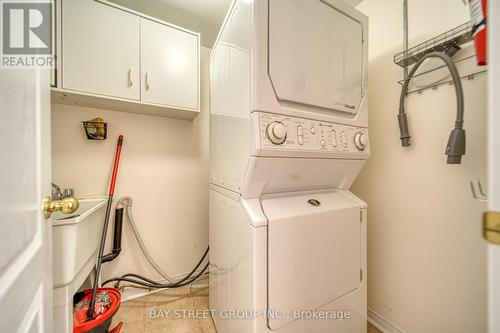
{"points": [[279, 132]]}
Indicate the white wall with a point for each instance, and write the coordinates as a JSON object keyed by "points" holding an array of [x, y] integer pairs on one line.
{"points": [[164, 167], [426, 257]]}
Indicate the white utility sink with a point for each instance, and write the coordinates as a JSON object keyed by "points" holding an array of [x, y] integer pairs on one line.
{"points": [[75, 242]]}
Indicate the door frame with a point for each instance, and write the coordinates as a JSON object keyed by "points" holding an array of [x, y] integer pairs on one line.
{"points": [[493, 165]]}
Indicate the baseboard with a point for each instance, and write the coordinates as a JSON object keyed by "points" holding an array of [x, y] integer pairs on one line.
{"points": [[382, 324]]}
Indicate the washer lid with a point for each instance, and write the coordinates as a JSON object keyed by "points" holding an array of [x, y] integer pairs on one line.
{"points": [[315, 55], [314, 252]]}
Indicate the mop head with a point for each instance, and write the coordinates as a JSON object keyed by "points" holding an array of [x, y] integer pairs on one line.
{"points": [[106, 305], [103, 302]]}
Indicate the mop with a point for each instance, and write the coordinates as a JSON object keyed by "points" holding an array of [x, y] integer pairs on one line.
{"points": [[107, 299]]}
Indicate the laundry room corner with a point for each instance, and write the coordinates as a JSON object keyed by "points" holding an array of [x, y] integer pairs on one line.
{"points": [[164, 169], [426, 255], [250, 166]]}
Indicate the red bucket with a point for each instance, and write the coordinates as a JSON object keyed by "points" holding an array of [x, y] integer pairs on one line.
{"points": [[103, 313]]}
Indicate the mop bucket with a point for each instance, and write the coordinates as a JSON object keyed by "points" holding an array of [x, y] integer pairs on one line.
{"points": [[106, 306]]}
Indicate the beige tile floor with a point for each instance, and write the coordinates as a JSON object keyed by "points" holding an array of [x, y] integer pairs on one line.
{"points": [[139, 316], [372, 329]]}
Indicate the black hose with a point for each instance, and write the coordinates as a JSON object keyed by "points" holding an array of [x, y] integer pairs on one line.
{"points": [[174, 283], [196, 277], [117, 237], [154, 284]]}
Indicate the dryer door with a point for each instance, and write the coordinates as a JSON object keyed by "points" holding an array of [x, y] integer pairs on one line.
{"points": [[315, 55], [314, 252]]}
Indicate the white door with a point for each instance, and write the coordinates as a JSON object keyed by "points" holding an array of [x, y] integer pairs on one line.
{"points": [[494, 159], [169, 65], [25, 253], [100, 49], [316, 59]]}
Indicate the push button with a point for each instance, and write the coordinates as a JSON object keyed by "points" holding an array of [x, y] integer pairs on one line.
{"points": [[300, 131], [300, 135], [343, 139], [334, 139]]}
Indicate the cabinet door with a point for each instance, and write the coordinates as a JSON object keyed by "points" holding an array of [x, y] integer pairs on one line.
{"points": [[170, 65], [100, 49]]}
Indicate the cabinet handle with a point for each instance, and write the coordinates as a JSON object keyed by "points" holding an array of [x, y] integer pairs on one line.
{"points": [[147, 81], [130, 79]]}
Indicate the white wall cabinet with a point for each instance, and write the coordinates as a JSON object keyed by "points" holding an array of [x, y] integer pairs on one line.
{"points": [[100, 49], [114, 58], [169, 65]]}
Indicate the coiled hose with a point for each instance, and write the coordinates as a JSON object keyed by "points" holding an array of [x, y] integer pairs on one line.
{"points": [[455, 148], [144, 281], [127, 203]]}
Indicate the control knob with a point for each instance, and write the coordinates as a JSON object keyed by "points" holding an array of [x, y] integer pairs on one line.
{"points": [[276, 132], [360, 140]]}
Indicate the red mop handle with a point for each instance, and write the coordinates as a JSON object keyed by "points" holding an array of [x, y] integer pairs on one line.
{"points": [[115, 166], [90, 312]]}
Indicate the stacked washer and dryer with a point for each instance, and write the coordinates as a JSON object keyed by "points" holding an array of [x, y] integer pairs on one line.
{"points": [[288, 136]]}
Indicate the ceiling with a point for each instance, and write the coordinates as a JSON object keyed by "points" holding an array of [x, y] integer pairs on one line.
{"points": [[211, 10], [203, 16]]}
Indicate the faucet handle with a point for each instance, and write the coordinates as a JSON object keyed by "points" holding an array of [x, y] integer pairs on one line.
{"points": [[69, 192], [56, 192]]}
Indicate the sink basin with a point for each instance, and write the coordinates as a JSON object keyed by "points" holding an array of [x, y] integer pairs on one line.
{"points": [[75, 240]]}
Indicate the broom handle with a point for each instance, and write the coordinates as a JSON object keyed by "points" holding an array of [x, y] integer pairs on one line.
{"points": [[90, 313]]}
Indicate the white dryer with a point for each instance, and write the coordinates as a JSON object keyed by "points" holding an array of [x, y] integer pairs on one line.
{"points": [[288, 136]]}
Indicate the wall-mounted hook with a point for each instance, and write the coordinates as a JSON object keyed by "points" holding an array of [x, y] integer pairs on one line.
{"points": [[479, 194]]}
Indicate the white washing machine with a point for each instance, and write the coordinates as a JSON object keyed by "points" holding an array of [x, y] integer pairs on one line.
{"points": [[288, 136]]}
